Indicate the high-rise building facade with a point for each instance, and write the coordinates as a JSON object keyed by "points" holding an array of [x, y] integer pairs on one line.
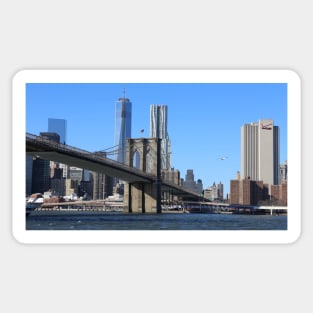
{"points": [[191, 184], [41, 170], [29, 174], [57, 181], [59, 126], [123, 115], [40, 176], [215, 192], [158, 129], [260, 151], [248, 192]]}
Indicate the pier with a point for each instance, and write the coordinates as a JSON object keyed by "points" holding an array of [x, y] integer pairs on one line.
{"points": [[183, 207], [225, 208]]}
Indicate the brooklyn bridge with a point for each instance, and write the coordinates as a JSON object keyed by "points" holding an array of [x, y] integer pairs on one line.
{"points": [[143, 185]]}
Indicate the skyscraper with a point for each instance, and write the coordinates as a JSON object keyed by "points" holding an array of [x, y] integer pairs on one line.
{"points": [[41, 171], [158, 129], [260, 151], [59, 126], [29, 174], [123, 114], [191, 184]]}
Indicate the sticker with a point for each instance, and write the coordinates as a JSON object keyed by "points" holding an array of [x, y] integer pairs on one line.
{"points": [[194, 156]]}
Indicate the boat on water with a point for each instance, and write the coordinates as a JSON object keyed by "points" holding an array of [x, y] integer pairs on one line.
{"points": [[33, 202]]}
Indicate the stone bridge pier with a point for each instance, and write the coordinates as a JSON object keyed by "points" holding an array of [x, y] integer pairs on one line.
{"points": [[143, 154]]}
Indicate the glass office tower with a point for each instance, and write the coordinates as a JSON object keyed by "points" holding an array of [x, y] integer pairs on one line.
{"points": [[158, 129], [58, 126], [123, 114]]}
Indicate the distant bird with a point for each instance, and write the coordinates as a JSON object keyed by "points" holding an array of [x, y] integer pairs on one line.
{"points": [[222, 158], [142, 131]]}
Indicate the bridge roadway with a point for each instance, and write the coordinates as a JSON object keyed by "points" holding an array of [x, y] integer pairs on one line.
{"points": [[41, 147]]}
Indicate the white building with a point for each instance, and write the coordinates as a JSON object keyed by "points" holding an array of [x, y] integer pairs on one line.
{"points": [[260, 151], [214, 192]]}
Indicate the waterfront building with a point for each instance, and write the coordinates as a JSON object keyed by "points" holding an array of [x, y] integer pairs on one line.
{"points": [[57, 186], [102, 184], [158, 129], [85, 189], [260, 151], [41, 170], [123, 117], [40, 176], [279, 194], [57, 181], [214, 192], [71, 187], [29, 174], [248, 192], [84, 181]]}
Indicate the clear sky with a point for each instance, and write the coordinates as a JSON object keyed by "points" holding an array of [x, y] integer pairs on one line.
{"points": [[204, 120]]}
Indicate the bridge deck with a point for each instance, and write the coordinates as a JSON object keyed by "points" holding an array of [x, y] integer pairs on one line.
{"points": [[41, 147], [49, 150]]}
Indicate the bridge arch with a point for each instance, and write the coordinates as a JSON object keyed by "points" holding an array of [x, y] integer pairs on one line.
{"points": [[138, 196], [136, 157]]}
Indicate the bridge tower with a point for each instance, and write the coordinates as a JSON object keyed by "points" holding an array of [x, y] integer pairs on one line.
{"points": [[144, 154]]}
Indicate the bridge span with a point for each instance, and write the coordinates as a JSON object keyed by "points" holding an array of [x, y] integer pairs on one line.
{"points": [[41, 147], [144, 189]]}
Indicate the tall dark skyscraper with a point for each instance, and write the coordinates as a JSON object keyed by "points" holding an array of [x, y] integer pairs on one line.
{"points": [[41, 170], [123, 114], [59, 126]]}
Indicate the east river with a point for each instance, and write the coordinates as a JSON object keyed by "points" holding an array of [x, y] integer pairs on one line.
{"points": [[164, 221]]}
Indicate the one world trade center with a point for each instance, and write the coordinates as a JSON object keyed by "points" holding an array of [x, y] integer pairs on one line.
{"points": [[123, 113]]}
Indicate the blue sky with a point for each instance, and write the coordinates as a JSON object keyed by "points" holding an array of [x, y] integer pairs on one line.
{"points": [[204, 120]]}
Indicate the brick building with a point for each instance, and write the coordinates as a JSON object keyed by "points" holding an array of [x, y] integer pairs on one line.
{"points": [[250, 192], [279, 194], [247, 192]]}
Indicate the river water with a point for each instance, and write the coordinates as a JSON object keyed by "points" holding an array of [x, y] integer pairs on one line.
{"points": [[164, 221]]}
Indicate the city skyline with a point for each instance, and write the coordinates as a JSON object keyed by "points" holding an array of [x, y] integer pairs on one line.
{"points": [[204, 120]]}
